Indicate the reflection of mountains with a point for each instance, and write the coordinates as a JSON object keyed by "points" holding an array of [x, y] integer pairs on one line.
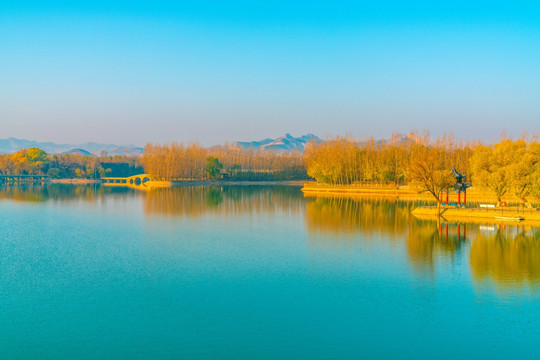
{"points": [[343, 215], [509, 257], [58, 192], [228, 200]]}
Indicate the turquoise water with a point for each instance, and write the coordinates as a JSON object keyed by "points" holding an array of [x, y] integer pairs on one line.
{"points": [[257, 272]]}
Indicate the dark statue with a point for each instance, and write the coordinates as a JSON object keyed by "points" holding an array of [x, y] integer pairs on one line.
{"points": [[460, 185]]}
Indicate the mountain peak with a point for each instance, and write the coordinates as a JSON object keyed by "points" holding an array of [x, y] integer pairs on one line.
{"points": [[287, 136], [285, 143]]}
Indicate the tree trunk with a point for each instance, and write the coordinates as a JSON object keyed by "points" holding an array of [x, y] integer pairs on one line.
{"points": [[526, 202]]}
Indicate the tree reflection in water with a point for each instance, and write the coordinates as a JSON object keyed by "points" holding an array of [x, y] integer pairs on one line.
{"points": [[507, 258], [343, 215], [194, 201], [387, 219], [506, 255], [61, 192], [429, 240]]}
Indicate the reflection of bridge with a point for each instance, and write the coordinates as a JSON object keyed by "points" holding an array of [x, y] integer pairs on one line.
{"points": [[136, 181], [22, 179]]}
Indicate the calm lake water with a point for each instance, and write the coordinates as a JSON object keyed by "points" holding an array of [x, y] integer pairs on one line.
{"points": [[257, 272]]}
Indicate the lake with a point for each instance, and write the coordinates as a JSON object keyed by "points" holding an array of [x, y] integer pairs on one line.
{"points": [[257, 272]]}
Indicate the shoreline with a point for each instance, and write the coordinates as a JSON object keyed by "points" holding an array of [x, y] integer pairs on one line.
{"points": [[75, 181], [313, 189], [160, 184], [233, 183], [507, 215], [163, 184]]}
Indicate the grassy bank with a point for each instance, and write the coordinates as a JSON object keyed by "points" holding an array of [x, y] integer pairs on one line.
{"points": [[497, 215], [474, 196]]}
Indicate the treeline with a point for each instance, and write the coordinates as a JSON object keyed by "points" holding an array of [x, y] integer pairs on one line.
{"points": [[179, 162], [343, 161], [507, 167], [36, 161]]}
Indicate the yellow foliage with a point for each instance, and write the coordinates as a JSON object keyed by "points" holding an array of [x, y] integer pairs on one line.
{"points": [[508, 260]]}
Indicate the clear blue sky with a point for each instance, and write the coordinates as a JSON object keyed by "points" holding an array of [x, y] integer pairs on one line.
{"points": [[216, 71]]}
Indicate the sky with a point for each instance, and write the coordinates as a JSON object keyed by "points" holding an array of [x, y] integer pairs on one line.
{"points": [[131, 72]]}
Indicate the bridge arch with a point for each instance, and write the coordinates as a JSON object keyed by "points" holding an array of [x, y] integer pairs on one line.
{"points": [[135, 181]]}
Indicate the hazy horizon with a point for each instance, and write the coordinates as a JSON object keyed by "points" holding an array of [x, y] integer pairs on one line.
{"points": [[528, 135], [215, 72]]}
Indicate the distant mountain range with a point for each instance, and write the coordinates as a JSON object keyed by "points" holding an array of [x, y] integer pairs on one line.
{"points": [[284, 143], [288, 142], [91, 148]]}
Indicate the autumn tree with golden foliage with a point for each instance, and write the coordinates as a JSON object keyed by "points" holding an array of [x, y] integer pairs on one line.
{"points": [[177, 162], [429, 170], [508, 166]]}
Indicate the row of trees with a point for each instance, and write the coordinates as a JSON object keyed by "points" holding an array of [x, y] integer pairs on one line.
{"points": [[507, 167], [168, 162], [179, 162], [36, 161], [247, 164], [175, 161], [343, 161]]}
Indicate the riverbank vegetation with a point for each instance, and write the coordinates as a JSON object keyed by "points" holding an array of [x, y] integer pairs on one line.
{"points": [[507, 167], [63, 166], [178, 162]]}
